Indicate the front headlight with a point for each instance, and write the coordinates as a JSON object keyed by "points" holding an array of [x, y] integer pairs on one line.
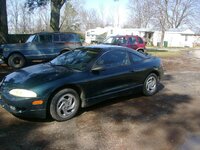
{"points": [[23, 93]]}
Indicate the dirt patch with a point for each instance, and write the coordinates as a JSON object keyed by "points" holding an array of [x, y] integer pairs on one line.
{"points": [[184, 62]]}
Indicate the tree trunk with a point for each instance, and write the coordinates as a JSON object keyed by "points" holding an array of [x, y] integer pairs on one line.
{"points": [[56, 5], [3, 22], [162, 38], [55, 16]]}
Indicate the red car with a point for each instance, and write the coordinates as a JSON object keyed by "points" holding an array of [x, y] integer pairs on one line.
{"points": [[131, 41]]}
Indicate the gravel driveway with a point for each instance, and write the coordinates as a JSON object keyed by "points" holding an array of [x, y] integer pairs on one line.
{"points": [[168, 120]]}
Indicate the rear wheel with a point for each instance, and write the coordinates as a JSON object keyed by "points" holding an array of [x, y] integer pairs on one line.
{"points": [[64, 105], [150, 85], [141, 50], [16, 61]]}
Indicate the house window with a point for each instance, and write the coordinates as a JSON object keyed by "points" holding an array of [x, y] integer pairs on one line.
{"points": [[186, 38]]}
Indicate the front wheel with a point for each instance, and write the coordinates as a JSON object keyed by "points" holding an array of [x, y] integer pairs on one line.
{"points": [[16, 61], [150, 84], [64, 105]]}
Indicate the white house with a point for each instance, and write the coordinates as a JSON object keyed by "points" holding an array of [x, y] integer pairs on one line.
{"points": [[172, 38], [175, 38], [94, 35]]}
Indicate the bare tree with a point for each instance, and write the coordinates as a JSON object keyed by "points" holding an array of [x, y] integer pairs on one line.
{"points": [[179, 12], [163, 14], [25, 21], [140, 13], [90, 19], [173, 14], [106, 16], [69, 19], [14, 14], [56, 6], [194, 21], [44, 18]]}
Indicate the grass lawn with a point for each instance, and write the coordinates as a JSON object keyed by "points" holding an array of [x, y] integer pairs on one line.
{"points": [[164, 53]]}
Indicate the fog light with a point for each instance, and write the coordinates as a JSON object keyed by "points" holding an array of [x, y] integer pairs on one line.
{"points": [[37, 102]]}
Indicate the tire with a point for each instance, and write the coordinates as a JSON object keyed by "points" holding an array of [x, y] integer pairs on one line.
{"points": [[16, 61], [64, 105], [150, 84]]}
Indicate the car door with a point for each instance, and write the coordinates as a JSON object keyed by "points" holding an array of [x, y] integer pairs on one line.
{"points": [[40, 48], [141, 43], [138, 68], [132, 43], [114, 77], [46, 46]]}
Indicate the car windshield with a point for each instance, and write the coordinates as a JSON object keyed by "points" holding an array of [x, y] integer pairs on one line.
{"points": [[76, 59], [109, 40], [30, 39]]}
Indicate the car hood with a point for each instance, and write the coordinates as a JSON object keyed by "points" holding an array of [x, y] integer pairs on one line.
{"points": [[36, 75]]}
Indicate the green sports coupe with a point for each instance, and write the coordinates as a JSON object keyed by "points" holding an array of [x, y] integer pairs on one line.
{"points": [[78, 78]]}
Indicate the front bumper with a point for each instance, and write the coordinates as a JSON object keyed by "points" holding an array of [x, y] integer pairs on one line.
{"points": [[23, 108]]}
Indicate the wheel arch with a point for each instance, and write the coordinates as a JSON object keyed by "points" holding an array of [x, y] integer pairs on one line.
{"points": [[140, 49], [76, 88], [15, 52], [156, 72]]}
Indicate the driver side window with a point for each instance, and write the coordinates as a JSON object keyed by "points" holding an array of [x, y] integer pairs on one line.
{"points": [[113, 59]]}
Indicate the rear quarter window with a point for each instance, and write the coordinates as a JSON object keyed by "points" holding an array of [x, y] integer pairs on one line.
{"points": [[135, 58]]}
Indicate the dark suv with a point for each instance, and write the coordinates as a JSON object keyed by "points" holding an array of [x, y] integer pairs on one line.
{"points": [[42, 46], [131, 41]]}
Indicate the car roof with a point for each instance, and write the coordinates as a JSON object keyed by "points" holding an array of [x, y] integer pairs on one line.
{"points": [[55, 33]]}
